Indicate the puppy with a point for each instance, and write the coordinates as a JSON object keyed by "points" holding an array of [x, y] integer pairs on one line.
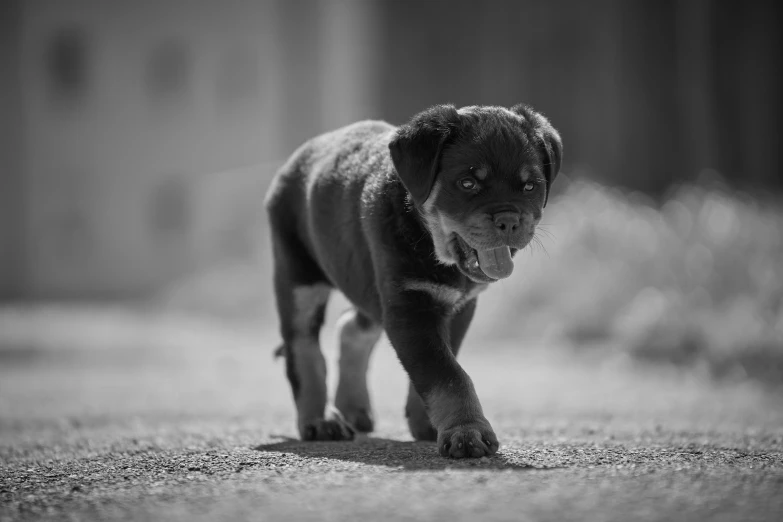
{"points": [[411, 224]]}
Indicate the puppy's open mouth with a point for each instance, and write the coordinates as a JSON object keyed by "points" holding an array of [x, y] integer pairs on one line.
{"points": [[485, 265]]}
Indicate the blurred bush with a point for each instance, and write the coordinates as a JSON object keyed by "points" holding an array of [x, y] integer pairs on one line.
{"points": [[695, 280]]}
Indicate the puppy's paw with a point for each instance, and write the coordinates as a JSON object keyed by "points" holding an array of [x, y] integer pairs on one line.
{"points": [[419, 423], [326, 429], [360, 418], [356, 410], [422, 429], [468, 440]]}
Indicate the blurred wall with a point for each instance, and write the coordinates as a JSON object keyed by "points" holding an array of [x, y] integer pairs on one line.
{"points": [[139, 135], [644, 92], [125, 105], [129, 127], [12, 171]]}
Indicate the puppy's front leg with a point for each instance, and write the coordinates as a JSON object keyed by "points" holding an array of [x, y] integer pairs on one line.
{"points": [[418, 328]]}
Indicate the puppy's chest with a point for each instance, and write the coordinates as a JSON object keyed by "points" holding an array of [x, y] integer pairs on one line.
{"points": [[449, 296]]}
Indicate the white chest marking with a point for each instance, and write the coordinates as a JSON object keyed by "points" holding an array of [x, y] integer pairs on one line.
{"points": [[445, 294]]}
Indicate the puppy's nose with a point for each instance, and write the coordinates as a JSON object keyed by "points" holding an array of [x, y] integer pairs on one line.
{"points": [[506, 221]]}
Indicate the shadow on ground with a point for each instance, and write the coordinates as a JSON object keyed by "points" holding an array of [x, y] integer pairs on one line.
{"points": [[407, 455]]}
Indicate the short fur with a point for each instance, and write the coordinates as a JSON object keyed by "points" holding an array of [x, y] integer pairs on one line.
{"points": [[382, 214]]}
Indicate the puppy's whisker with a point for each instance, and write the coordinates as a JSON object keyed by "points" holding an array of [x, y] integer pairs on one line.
{"points": [[533, 245], [423, 236], [548, 224], [540, 244], [544, 230], [547, 233]]}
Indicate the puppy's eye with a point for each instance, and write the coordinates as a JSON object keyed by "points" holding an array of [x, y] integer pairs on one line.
{"points": [[467, 183], [529, 186]]}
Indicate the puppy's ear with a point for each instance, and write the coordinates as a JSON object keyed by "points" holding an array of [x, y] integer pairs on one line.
{"points": [[416, 148], [548, 143]]}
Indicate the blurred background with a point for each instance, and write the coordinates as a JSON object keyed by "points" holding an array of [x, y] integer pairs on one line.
{"points": [[138, 138]]}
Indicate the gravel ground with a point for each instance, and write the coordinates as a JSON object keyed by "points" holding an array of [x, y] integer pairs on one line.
{"points": [[108, 416]]}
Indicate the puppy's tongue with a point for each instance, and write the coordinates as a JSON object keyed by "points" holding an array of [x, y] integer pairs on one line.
{"points": [[496, 262]]}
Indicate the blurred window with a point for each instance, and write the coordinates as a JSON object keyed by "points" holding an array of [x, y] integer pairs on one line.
{"points": [[64, 213], [67, 64], [170, 212], [238, 75], [169, 71]]}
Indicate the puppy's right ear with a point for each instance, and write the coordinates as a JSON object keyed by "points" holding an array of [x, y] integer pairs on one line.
{"points": [[416, 148], [549, 143]]}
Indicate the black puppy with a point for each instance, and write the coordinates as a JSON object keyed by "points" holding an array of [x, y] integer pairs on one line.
{"points": [[410, 223]]}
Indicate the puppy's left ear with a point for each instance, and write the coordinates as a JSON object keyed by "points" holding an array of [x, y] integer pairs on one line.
{"points": [[548, 142], [416, 148]]}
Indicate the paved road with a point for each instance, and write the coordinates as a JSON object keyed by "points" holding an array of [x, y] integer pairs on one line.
{"points": [[105, 417]]}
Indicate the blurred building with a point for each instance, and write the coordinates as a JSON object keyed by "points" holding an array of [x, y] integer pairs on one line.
{"points": [[138, 135], [128, 127]]}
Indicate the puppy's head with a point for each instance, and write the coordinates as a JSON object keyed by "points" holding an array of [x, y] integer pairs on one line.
{"points": [[480, 178]]}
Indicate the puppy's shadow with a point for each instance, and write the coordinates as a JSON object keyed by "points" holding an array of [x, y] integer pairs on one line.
{"points": [[402, 455]]}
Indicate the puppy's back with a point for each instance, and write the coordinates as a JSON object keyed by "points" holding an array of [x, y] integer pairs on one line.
{"points": [[338, 156], [316, 197]]}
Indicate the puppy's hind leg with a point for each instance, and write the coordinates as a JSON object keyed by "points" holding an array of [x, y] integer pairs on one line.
{"points": [[301, 309], [358, 335]]}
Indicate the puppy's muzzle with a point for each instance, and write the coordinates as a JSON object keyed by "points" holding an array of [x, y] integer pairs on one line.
{"points": [[507, 223]]}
